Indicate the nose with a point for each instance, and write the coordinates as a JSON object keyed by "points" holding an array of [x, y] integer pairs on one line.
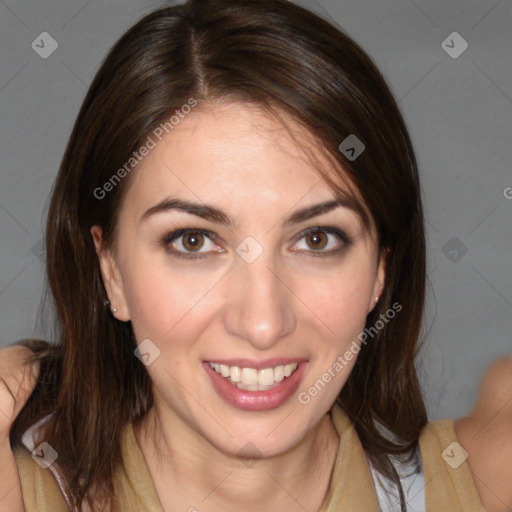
{"points": [[260, 308]]}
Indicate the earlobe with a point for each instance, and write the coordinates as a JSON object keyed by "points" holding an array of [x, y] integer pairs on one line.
{"points": [[111, 276]]}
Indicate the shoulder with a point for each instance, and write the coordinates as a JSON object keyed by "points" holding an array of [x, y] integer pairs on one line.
{"points": [[486, 434]]}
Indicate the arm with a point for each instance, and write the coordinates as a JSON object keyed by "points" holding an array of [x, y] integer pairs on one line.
{"points": [[17, 380], [486, 434]]}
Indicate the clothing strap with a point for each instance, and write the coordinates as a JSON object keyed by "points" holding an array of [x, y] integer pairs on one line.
{"points": [[29, 440], [413, 485], [411, 477]]}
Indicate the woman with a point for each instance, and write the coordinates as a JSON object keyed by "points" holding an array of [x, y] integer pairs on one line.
{"points": [[225, 345]]}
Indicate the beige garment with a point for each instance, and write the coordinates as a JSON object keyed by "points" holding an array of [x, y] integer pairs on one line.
{"points": [[446, 488], [351, 488]]}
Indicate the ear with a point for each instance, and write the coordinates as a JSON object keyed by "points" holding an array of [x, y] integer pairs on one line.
{"points": [[111, 275], [380, 278]]}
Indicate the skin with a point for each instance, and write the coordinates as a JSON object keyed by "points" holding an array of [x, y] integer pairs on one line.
{"points": [[486, 434], [17, 380], [287, 303]]}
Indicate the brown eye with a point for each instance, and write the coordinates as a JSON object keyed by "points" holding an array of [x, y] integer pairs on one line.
{"points": [[191, 244], [316, 239], [323, 241], [193, 240]]}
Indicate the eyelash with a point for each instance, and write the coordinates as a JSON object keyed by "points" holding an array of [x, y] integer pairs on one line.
{"points": [[167, 240]]}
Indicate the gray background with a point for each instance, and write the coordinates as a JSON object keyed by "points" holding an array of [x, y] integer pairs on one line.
{"points": [[458, 110]]}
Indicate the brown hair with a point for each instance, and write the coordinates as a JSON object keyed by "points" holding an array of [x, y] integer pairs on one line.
{"points": [[277, 55]]}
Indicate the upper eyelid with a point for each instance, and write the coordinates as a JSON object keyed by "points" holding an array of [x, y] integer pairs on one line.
{"points": [[176, 234], [180, 232]]}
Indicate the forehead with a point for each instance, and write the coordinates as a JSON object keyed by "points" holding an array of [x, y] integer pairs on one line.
{"points": [[238, 153]]}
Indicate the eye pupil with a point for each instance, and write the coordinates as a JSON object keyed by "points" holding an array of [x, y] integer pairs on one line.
{"points": [[193, 241], [315, 237]]}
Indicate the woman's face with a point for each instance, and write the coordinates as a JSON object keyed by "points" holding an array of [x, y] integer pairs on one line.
{"points": [[257, 295]]}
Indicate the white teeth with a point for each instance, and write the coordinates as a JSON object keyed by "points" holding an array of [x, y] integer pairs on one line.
{"points": [[288, 369], [251, 379], [249, 376], [234, 373], [249, 387], [266, 377]]}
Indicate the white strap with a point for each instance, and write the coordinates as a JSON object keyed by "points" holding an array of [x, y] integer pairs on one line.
{"points": [[28, 441], [413, 484]]}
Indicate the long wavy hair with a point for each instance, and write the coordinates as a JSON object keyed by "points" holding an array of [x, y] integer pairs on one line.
{"points": [[285, 59]]}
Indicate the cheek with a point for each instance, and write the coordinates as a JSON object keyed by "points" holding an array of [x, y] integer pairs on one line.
{"points": [[341, 299], [163, 301]]}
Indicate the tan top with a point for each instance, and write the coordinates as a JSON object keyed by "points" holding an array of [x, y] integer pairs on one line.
{"points": [[351, 489]]}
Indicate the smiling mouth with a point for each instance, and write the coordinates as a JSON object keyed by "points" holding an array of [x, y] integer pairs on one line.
{"points": [[251, 379]]}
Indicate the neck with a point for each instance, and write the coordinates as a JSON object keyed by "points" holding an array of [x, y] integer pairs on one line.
{"points": [[190, 473]]}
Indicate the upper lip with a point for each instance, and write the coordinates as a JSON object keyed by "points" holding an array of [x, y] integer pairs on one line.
{"points": [[258, 365]]}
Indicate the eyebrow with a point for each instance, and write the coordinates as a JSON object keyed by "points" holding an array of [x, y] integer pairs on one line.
{"points": [[213, 214]]}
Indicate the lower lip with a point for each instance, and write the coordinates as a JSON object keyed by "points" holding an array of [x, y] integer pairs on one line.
{"points": [[256, 400]]}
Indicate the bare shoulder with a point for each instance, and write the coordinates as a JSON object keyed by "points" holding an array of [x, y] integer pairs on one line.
{"points": [[486, 434]]}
